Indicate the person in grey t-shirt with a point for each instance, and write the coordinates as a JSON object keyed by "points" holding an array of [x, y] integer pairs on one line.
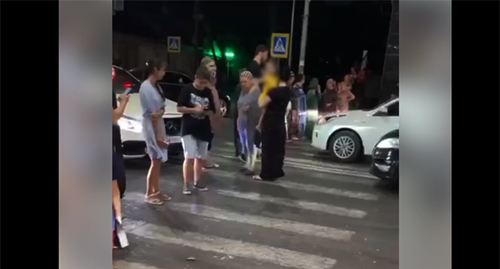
{"points": [[248, 119]]}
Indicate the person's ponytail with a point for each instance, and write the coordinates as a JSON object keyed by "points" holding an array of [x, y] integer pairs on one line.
{"points": [[149, 69]]}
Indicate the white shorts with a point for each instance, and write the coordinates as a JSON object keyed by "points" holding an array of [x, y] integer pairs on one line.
{"points": [[194, 148]]}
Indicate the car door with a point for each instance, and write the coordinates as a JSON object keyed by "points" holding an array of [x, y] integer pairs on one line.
{"points": [[382, 122]]}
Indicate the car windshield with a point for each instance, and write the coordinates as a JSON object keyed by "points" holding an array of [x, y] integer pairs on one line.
{"points": [[381, 104]]}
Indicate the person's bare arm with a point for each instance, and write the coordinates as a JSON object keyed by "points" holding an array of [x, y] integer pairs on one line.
{"points": [[351, 96], [190, 110], [156, 128], [116, 115], [215, 96], [259, 125], [122, 104], [264, 101]]}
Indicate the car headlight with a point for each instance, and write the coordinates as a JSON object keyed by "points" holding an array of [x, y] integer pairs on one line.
{"points": [[389, 143], [130, 124]]}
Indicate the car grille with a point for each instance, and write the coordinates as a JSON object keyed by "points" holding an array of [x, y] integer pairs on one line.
{"points": [[173, 126]]}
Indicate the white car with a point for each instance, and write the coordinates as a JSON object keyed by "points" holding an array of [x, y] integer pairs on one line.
{"points": [[354, 133], [131, 122]]}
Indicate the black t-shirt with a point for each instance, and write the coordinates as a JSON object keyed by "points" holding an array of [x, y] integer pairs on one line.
{"points": [[117, 139], [255, 69], [196, 125], [276, 109]]}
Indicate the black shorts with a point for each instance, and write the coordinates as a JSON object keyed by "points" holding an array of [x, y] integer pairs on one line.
{"points": [[118, 167], [210, 141]]}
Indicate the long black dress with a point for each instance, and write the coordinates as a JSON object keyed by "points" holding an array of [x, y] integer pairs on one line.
{"points": [[274, 134]]}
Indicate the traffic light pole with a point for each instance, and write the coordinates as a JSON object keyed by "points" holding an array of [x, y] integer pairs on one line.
{"points": [[303, 38]]}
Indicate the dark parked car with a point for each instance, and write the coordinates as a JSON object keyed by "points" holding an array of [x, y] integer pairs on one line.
{"points": [[385, 158], [173, 82]]}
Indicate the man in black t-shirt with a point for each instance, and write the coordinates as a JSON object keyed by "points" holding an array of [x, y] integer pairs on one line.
{"points": [[259, 59], [197, 104]]}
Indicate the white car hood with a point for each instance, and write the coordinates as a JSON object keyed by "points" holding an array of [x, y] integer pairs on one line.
{"points": [[134, 109], [350, 114]]}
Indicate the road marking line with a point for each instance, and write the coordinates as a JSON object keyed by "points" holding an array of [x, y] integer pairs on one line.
{"points": [[316, 168], [335, 210], [262, 253], [331, 170], [324, 163], [333, 191], [305, 187], [280, 224], [132, 265]]}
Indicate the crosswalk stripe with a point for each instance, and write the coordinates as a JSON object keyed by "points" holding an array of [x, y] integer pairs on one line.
{"points": [[280, 224], [322, 163], [333, 191], [335, 210], [132, 265], [316, 168], [325, 169], [262, 253], [306, 187]]}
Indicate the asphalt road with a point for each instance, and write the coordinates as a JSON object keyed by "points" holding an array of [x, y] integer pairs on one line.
{"points": [[321, 215]]}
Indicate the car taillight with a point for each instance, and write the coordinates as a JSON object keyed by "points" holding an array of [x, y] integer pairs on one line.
{"points": [[127, 85], [113, 74]]}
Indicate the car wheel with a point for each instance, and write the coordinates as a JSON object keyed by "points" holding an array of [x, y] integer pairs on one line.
{"points": [[394, 181], [223, 107], [345, 146]]}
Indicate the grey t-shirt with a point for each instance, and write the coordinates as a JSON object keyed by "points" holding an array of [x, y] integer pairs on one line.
{"points": [[252, 116]]}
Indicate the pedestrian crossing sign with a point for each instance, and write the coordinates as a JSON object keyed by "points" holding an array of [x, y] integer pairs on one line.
{"points": [[174, 44], [279, 45]]}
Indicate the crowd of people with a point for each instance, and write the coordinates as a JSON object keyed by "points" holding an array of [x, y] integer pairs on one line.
{"points": [[337, 96], [270, 111]]}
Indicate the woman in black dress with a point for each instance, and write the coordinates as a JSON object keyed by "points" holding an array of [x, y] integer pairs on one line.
{"points": [[273, 130]]}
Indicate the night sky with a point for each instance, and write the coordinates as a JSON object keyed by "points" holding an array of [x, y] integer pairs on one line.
{"points": [[340, 29]]}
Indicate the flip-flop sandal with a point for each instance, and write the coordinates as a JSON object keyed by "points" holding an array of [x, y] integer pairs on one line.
{"points": [[162, 196], [152, 200], [211, 165], [257, 177]]}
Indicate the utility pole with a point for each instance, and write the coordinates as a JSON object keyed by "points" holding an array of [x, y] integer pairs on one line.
{"points": [[303, 39], [196, 17], [196, 33], [291, 36]]}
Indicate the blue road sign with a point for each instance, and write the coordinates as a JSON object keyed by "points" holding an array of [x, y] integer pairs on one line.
{"points": [[174, 44], [279, 45]]}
